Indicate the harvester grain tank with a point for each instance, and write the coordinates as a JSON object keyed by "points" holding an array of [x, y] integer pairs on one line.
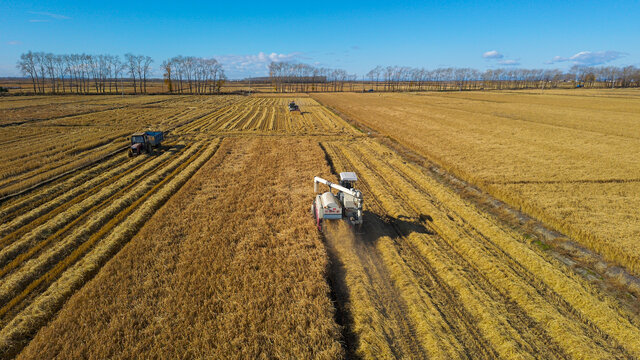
{"points": [[345, 204], [145, 142]]}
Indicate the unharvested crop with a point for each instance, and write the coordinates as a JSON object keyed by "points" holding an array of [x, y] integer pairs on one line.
{"points": [[468, 285], [569, 159]]}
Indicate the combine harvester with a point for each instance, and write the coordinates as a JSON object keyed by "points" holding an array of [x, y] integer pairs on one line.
{"points": [[347, 203], [293, 107]]}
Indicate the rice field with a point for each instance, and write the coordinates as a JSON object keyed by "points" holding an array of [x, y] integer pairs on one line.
{"points": [[456, 283], [568, 158], [206, 248]]}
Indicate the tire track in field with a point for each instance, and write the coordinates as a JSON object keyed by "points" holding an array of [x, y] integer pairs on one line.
{"points": [[388, 302], [470, 342], [484, 241]]}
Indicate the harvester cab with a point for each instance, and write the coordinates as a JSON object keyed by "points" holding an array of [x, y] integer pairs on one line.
{"points": [[346, 203]]}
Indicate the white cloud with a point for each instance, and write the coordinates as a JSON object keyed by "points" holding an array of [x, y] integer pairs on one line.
{"points": [[492, 55], [38, 21], [14, 42], [241, 66], [590, 58], [51, 15], [509, 62]]}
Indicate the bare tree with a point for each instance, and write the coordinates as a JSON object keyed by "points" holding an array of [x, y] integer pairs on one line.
{"points": [[27, 66]]}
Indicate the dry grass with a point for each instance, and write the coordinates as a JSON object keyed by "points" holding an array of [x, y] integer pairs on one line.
{"points": [[35, 108], [270, 114], [567, 158], [51, 237], [227, 269]]}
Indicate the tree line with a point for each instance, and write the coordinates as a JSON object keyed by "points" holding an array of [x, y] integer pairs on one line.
{"points": [[193, 74], [289, 77], [83, 73], [294, 77], [398, 78], [102, 74]]}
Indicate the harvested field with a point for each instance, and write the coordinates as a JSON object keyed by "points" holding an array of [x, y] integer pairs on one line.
{"points": [[206, 249], [33, 109], [569, 158], [223, 270], [56, 236]]}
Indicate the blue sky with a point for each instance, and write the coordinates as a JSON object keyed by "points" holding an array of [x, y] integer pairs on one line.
{"points": [[354, 35]]}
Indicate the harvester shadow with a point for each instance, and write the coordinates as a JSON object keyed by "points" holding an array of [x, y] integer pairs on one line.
{"points": [[340, 297], [376, 226]]}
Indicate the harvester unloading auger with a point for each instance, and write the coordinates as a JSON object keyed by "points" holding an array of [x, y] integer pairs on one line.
{"points": [[347, 203]]}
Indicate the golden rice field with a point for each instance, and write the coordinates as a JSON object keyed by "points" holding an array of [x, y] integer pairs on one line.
{"points": [[569, 158], [208, 281], [456, 283], [206, 248]]}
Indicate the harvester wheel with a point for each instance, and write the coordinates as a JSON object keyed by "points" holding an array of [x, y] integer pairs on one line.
{"points": [[314, 213], [130, 153]]}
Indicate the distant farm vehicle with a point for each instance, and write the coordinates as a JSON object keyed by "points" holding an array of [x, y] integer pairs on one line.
{"points": [[145, 142], [293, 107], [347, 203]]}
